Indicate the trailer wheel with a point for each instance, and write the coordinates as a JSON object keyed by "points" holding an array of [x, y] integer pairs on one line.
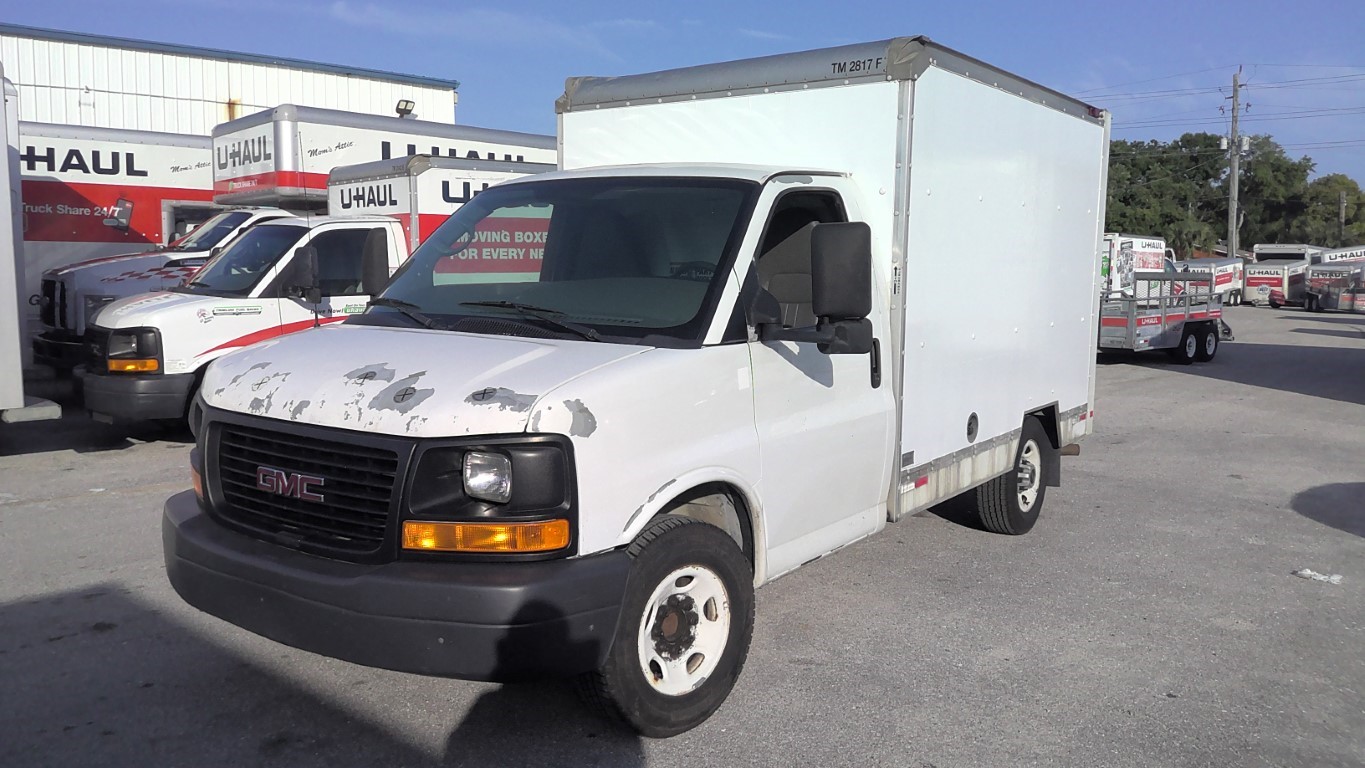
{"points": [[1011, 502], [1187, 351], [1310, 303], [684, 632], [1235, 299], [1208, 343]]}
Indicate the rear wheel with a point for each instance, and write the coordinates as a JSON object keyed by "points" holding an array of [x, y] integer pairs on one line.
{"points": [[1187, 351], [684, 632], [1208, 343], [1011, 502]]}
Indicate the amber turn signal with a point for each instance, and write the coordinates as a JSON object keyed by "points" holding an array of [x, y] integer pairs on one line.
{"points": [[133, 366], [544, 536], [197, 480]]}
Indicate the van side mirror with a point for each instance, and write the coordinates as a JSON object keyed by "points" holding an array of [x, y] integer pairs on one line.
{"points": [[374, 262], [302, 275], [841, 293]]}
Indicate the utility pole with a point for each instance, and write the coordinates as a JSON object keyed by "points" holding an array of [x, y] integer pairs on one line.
{"points": [[1341, 216], [1235, 147]]}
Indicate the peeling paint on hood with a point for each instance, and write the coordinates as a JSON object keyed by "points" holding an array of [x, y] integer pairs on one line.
{"points": [[402, 381]]}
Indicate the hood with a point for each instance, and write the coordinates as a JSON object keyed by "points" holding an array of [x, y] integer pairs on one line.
{"points": [[401, 381], [126, 275], [157, 309]]}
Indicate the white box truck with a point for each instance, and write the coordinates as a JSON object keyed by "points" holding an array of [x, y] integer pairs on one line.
{"points": [[15, 404], [282, 156], [1227, 274], [419, 190], [735, 355]]}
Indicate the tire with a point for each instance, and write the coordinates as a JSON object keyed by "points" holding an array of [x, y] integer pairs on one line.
{"points": [[1273, 304], [1236, 298], [669, 677], [1187, 351], [1207, 343], [1310, 303], [1004, 504]]}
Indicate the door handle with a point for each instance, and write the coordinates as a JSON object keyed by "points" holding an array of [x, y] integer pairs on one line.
{"points": [[876, 358]]}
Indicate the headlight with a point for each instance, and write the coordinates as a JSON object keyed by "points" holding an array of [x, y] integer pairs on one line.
{"points": [[93, 304], [134, 350], [488, 476]]}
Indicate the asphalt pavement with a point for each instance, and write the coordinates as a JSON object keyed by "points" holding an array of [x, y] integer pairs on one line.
{"points": [[1150, 619]]}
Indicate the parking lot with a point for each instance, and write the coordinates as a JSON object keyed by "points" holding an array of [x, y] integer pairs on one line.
{"points": [[1151, 619]]}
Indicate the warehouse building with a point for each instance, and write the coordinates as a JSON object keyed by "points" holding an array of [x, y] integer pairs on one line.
{"points": [[73, 78]]}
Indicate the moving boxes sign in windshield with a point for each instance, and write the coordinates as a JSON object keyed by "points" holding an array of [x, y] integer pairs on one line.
{"points": [[506, 246]]}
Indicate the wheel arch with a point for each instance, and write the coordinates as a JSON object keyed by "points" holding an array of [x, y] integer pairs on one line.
{"points": [[723, 500], [1047, 416]]}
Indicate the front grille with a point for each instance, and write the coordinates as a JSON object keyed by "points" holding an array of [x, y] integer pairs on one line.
{"points": [[47, 307], [96, 342], [357, 486]]}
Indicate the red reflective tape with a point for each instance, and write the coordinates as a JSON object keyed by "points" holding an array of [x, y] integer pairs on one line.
{"points": [[271, 180], [921, 482], [272, 332]]}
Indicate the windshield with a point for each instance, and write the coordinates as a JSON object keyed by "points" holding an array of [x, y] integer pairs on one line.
{"points": [[211, 232], [620, 257], [236, 270]]}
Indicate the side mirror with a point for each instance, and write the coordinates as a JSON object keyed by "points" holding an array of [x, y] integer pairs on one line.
{"points": [[302, 275], [841, 293], [374, 262], [217, 249]]}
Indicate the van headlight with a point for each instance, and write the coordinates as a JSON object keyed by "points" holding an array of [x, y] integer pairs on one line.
{"points": [[488, 476], [134, 350]]}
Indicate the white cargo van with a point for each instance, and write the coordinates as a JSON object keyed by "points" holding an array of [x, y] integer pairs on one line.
{"points": [[599, 407], [146, 354]]}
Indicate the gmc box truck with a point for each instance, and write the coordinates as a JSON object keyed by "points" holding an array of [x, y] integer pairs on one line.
{"points": [[598, 407]]}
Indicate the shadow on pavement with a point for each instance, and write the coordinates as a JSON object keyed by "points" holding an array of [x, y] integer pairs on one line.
{"points": [[1290, 368], [1311, 317], [1339, 505], [95, 677], [75, 430], [960, 510], [1345, 334]]}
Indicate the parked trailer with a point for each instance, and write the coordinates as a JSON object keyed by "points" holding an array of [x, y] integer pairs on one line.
{"points": [[1276, 277], [282, 156], [1122, 255], [1228, 276], [420, 190], [588, 468], [15, 405], [1339, 286], [1182, 316]]}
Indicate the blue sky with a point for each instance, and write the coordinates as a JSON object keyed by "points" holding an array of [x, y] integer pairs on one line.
{"points": [[1159, 65]]}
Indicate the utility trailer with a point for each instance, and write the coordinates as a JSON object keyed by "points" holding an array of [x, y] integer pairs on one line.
{"points": [[1339, 286], [1180, 314], [1227, 276]]}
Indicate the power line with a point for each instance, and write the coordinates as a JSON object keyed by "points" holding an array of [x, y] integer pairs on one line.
{"points": [[1152, 80]]}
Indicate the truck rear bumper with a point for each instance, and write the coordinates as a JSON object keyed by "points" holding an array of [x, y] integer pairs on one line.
{"points": [[496, 621], [130, 397]]}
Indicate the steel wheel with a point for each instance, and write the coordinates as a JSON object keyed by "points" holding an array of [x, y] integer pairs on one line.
{"points": [[1191, 346], [1030, 471], [683, 631]]}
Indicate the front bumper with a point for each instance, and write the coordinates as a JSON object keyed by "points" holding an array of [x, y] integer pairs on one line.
{"points": [[496, 621], [60, 351], [131, 397]]}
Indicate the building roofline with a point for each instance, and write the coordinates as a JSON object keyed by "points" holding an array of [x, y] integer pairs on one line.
{"points": [[85, 38]]}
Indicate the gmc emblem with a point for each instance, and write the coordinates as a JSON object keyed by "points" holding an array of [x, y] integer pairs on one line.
{"points": [[291, 484]]}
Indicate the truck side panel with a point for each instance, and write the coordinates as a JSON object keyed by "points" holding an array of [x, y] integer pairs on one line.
{"points": [[1004, 187]]}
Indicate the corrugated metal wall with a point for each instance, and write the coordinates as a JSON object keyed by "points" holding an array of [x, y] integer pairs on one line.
{"points": [[78, 84]]}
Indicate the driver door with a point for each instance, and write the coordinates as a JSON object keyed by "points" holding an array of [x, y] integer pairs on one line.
{"points": [[340, 269]]}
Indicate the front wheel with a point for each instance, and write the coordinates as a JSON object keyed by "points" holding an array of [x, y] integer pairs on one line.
{"points": [[1011, 502], [684, 632]]}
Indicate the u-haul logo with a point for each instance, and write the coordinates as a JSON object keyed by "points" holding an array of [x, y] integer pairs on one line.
{"points": [[466, 194], [368, 196], [1264, 272], [97, 162], [386, 153], [240, 152]]}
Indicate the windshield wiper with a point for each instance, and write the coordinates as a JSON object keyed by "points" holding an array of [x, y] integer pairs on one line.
{"points": [[407, 308], [544, 314]]}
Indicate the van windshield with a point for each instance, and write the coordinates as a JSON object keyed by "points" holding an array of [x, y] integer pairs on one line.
{"points": [[236, 270], [211, 232], [610, 259]]}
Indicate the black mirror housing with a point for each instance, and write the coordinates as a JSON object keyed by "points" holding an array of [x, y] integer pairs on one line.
{"points": [[374, 265], [302, 278], [841, 271]]}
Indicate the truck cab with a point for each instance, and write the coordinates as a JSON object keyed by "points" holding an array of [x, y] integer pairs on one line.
{"points": [[145, 354], [70, 296]]}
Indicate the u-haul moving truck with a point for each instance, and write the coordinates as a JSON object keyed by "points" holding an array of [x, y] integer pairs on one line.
{"points": [[92, 193], [1228, 276], [1122, 255], [282, 156], [420, 190], [735, 356], [1337, 281], [1276, 278]]}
